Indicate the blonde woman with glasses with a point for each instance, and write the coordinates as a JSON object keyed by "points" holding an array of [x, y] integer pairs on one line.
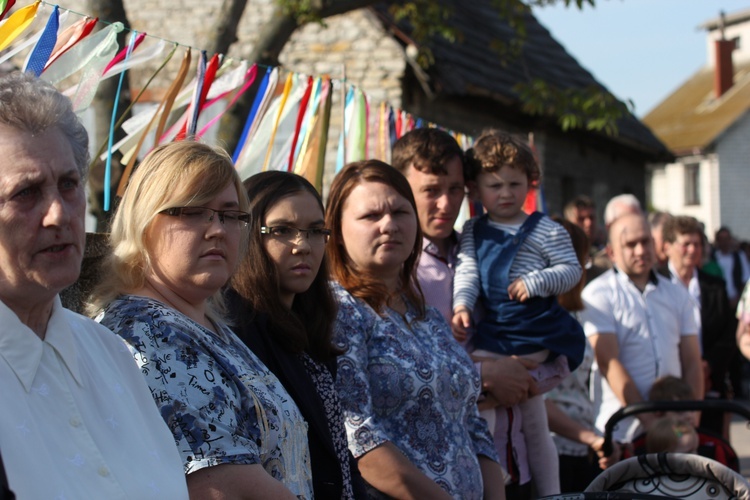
{"points": [[178, 234]]}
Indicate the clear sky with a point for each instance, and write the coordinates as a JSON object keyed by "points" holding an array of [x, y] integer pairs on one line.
{"points": [[639, 49]]}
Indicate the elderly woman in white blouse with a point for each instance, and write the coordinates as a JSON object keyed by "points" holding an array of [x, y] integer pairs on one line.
{"points": [[77, 419]]}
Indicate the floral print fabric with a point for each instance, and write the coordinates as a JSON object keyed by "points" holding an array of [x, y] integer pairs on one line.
{"points": [[324, 384], [221, 403], [409, 382]]}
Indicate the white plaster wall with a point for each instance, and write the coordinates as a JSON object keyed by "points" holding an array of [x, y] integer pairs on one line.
{"points": [[667, 190], [741, 31], [733, 150]]}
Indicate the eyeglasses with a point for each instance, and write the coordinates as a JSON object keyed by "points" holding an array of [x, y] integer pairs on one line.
{"points": [[291, 233], [205, 215]]}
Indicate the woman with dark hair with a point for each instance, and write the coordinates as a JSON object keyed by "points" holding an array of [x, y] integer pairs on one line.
{"points": [[283, 309], [570, 411], [409, 391]]}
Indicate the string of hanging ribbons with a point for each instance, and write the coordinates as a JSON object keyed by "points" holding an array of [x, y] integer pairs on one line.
{"points": [[287, 127]]}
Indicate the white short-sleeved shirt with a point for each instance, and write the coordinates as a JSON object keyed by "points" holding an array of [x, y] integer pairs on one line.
{"points": [[77, 419], [649, 327]]}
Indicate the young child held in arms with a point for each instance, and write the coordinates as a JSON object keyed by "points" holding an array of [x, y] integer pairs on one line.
{"points": [[517, 264]]}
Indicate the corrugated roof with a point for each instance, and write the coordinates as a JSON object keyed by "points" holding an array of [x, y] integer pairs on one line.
{"points": [[472, 66], [691, 118]]}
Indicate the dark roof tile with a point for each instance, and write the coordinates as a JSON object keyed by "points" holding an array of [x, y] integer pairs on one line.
{"points": [[471, 66]]}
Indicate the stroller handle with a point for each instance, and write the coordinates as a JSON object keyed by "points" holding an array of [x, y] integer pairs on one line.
{"points": [[651, 406]]}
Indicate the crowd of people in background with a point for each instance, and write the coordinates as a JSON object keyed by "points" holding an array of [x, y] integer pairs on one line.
{"points": [[247, 340]]}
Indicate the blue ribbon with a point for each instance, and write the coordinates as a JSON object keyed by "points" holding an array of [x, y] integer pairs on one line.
{"points": [[251, 117], [111, 140], [43, 48]]}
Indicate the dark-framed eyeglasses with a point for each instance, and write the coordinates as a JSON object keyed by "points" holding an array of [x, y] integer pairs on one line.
{"points": [[292, 234], [205, 215]]}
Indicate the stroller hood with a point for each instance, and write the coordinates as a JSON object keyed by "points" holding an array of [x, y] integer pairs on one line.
{"points": [[673, 475]]}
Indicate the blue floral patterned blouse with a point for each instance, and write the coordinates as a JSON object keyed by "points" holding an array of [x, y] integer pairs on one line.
{"points": [[220, 402], [410, 383]]}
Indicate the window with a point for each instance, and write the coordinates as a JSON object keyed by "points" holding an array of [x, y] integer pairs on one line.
{"points": [[692, 184]]}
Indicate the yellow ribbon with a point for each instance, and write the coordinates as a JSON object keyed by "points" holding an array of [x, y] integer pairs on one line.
{"points": [[284, 97], [17, 23]]}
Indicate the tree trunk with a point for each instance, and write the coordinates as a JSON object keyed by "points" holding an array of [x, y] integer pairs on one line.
{"points": [[271, 41], [274, 35]]}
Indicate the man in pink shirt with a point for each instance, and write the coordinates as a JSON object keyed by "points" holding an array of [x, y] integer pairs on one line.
{"points": [[433, 163]]}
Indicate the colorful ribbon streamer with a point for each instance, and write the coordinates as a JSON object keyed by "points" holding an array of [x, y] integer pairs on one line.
{"points": [[17, 23], [46, 44], [108, 166]]}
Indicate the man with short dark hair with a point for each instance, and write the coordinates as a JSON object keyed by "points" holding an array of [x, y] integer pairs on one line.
{"points": [[683, 245], [433, 163], [581, 211]]}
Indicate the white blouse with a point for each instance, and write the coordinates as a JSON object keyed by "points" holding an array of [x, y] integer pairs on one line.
{"points": [[76, 417]]}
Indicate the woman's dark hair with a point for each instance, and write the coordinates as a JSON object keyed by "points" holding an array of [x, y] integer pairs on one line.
{"points": [[308, 327], [362, 285], [571, 300]]}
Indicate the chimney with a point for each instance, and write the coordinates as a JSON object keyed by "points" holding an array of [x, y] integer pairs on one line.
{"points": [[724, 71]]}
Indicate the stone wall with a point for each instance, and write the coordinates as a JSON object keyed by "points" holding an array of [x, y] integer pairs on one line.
{"points": [[373, 60]]}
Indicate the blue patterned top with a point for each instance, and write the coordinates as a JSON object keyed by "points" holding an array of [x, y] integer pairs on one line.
{"points": [[410, 383], [221, 403]]}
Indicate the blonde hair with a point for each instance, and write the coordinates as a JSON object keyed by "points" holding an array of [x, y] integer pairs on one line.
{"points": [[175, 174]]}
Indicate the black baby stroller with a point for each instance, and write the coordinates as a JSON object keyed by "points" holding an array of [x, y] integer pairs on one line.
{"points": [[671, 475]]}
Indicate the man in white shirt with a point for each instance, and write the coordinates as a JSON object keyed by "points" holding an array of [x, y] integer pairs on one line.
{"points": [[640, 325], [432, 162], [683, 244]]}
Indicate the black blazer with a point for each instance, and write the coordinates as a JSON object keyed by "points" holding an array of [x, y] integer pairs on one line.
{"points": [[252, 329], [5, 493], [717, 327]]}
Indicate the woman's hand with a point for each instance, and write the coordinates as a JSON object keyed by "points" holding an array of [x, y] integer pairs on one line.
{"points": [[743, 338], [389, 471], [605, 461], [560, 423], [493, 479], [235, 482]]}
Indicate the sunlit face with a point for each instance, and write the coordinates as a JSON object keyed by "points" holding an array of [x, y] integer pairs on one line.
{"points": [[503, 193], [378, 229], [42, 208], [194, 258], [297, 256], [686, 252], [438, 198], [631, 246]]}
